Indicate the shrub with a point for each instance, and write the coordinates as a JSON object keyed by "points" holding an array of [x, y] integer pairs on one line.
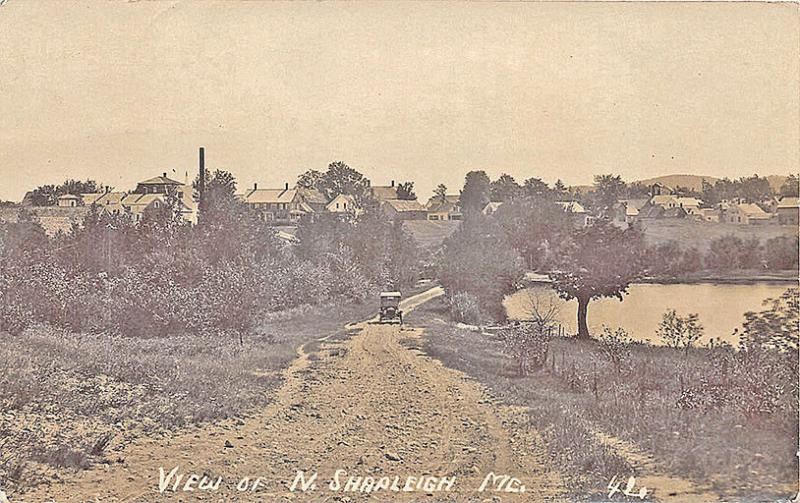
{"points": [[465, 308], [616, 346], [679, 332]]}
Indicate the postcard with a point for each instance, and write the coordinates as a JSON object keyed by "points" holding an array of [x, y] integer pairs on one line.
{"points": [[399, 251]]}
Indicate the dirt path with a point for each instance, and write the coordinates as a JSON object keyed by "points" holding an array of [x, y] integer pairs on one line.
{"points": [[371, 406]]}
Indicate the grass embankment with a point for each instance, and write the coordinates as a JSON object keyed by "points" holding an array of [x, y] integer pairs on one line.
{"points": [[579, 396], [69, 400]]}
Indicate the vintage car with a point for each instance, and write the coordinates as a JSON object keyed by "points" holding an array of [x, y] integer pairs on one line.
{"points": [[390, 308]]}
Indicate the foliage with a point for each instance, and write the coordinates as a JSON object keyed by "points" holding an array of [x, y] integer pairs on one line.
{"points": [[791, 187], [476, 193], [597, 261], [528, 342], [338, 179], [440, 192], [780, 253], [608, 189], [615, 345], [464, 308], [679, 331], [775, 328], [731, 253], [535, 227], [47, 195], [162, 276], [405, 191], [478, 259], [504, 189], [753, 189]]}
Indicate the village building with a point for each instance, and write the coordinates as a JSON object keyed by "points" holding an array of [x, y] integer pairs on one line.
{"points": [[278, 206], [491, 208], [69, 201], [158, 185], [709, 214], [403, 209], [344, 204], [746, 214], [580, 217], [787, 211], [447, 208], [383, 193]]}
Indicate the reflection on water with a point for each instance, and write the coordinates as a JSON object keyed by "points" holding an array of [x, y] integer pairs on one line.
{"points": [[721, 307]]}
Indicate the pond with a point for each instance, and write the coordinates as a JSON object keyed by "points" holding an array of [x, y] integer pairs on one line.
{"points": [[721, 307]]}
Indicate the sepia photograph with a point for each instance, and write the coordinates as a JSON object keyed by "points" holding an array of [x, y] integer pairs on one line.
{"points": [[399, 251]]}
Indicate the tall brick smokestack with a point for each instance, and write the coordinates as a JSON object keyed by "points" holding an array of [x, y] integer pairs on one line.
{"points": [[201, 186]]}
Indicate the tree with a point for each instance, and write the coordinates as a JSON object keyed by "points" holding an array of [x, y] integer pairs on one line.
{"points": [[791, 187], [534, 226], [440, 192], [504, 189], [405, 191], [338, 179], [535, 187], [608, 190], [47, 195], [774, 328], [597, 261], [477, 259], [475, 194]]}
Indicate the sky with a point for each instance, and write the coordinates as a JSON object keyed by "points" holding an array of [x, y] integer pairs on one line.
{"points": [[123, 91]]}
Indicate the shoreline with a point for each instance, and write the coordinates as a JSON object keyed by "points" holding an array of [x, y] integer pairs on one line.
{"points": [[743, 277]]}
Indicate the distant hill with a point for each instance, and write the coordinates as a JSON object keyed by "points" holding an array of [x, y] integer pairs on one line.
{"points": [[691, 182], [695, 182]]}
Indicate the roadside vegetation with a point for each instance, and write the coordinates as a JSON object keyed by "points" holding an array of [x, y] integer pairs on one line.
{"points": [[125, 328], [722, 418]]}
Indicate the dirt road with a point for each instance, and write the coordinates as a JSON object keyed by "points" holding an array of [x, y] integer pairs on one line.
{"points": [[371, 407]]}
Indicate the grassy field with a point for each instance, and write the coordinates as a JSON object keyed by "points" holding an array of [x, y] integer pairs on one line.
{"points": [[69, 400], [579, 399], [689, 233]]}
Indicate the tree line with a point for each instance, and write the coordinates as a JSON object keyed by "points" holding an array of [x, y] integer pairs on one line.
{"points": [[485, 260], [163, 276]]}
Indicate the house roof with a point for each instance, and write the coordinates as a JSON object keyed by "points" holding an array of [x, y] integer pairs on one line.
{"points": [[90, 198], [449, 204], [110, 198], [635, 203], [491, 207], [788, 202], [689, 201], [573, 206], [261, 196], [662, 199], [160, 180], [346, 197], [312, 196], [70, 196], [383, 193], [752, 210], [403, 205]]}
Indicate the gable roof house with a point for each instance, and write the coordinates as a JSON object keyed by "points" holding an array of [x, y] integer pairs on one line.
{"points": [[344, 204], [383, 193], [402, 209], [746, 214], [580, 217], [444, 209], [278, 206], [787, 210]]}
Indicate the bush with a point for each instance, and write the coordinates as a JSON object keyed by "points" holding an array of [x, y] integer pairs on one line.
{"points": [[465, 308], [679, 332]]}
